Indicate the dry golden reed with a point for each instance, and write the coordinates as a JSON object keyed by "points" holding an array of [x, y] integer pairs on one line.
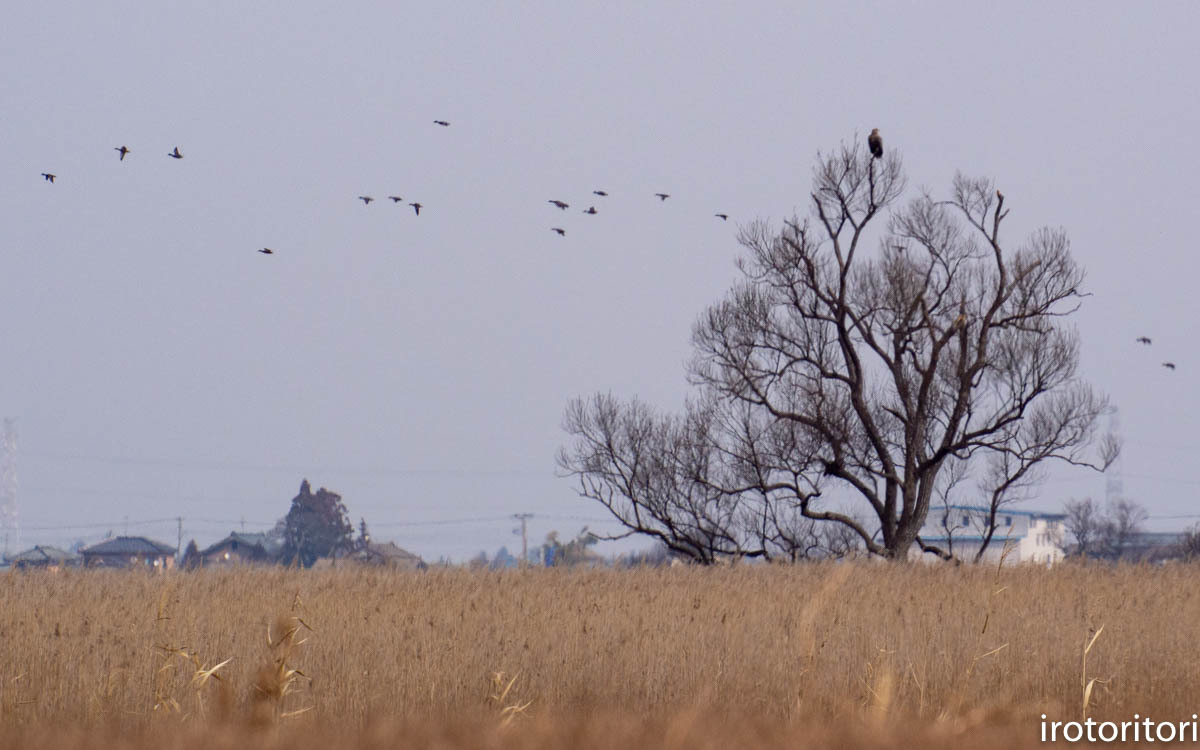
{"points": [[784, 653]]}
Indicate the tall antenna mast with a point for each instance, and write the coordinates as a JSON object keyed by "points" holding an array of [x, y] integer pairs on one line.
{"points": [[10, 526], [1114, 476]]}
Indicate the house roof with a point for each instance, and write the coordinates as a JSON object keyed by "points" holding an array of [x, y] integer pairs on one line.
{"points": [[1002, 511], [129, 545], [42, 555], [390, 551], [269, 544]]}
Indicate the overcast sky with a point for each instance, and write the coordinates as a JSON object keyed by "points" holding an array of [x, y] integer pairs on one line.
{"points": [[157, 366]]}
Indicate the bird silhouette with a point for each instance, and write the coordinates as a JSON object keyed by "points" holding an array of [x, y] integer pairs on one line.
{"points": [[591, 210], [123, 151], [443, 123], [366, 199], [663, 196], [1169, 365], [600, 193], [395, 198], [175, 154], [1144, 340], [417, 207], [49, 177], [722, 217], [561, 232], [267, 251], [560, 204], [875, 143]]}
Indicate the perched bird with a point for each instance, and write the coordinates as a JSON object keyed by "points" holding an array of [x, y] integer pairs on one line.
{"points": [[416, 207], [560, 204], [123, 151], [395, 198], [1169, 365], [600, 193], [722, 217], [591, 210], [49, 177], [175, 154], [443, 123], [1144, 340], [366, 199], [999, 195], [662, 196], [267, 251], [875, 143], [561, 232], [961, 320]]}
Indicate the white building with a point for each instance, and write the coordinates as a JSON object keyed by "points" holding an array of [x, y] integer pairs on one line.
{"points": [[1029, 536]]}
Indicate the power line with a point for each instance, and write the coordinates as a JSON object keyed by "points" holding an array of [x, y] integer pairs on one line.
{"points": [[107, 524], [289, 468]]}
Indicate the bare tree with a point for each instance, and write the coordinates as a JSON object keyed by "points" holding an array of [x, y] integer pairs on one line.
{"points": [[1124, 523], [1103, 533], [1085, 525], [1188, 548], [837, 386]]}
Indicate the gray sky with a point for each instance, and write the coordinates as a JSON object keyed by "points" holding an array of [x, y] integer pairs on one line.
{"points": [[157, 366]]}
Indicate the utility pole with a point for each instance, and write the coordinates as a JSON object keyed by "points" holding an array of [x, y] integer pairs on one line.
{"points": [[523, 517], [179, 547]]}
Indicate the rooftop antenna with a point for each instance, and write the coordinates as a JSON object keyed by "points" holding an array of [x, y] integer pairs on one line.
{"points": [[10, 521]]}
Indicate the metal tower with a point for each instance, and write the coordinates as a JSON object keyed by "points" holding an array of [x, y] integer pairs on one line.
{"points": [[10, 527]]}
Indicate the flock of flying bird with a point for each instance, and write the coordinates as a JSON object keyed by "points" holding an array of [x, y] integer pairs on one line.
{"points": [[416, 206], [1145, 341], [874, 144]]}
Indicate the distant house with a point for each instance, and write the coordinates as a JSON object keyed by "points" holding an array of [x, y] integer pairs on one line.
{"points": [[1029, 536], [46, 558], [239, 548], [387, 554], [129, 552]]}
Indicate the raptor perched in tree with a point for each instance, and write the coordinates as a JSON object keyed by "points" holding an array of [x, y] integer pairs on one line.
{"points": [[875, 143]]}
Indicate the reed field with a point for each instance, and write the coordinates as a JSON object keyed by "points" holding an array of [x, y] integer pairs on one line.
{"points": [[836, 655]]}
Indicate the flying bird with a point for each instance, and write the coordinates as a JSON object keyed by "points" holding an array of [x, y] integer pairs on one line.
{"points": [[591, 210], [395, 198], [267, 251], [600, 193], [663, 196], [416, 207], [560, 204], [443, 123], [722, 217], [1169, 365], [123, 151], [366, 199], [561, 232], [875, 143], [1144, 340], [49, 177], [175, 154]]}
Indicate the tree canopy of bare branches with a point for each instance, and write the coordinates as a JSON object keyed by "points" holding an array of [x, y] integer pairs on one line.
{"points": [[839, 391]]}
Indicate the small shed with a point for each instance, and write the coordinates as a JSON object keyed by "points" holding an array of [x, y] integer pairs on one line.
{"points": [[129, 552]]}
